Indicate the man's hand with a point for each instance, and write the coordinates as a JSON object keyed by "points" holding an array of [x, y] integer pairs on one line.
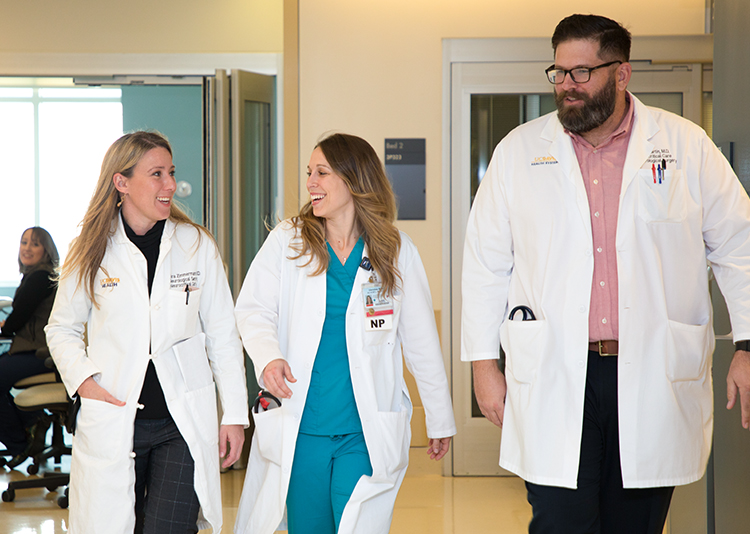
{"points": [[90, 389], [738, 379], [489, 388], [275, 375], [234, 436]]}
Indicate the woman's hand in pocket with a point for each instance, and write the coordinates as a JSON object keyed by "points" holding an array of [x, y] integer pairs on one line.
{"points": [[89, 389]]}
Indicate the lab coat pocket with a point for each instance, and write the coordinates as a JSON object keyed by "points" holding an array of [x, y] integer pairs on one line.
{"points": [[193, 362], [268, 433], [525, 344], [183, 312], [100, 431], [391, 453], [687, 348], [665, 201]]}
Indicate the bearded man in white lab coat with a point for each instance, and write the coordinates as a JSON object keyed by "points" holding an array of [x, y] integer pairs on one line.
{"points": [[600, 219]]}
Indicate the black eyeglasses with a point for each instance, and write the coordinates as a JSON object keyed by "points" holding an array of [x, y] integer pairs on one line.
{"points": [[578, 74]]}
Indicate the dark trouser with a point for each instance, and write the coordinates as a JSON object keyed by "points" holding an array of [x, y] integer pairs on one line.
{"points": [[165, 500], [600, 505], [14, 367]]}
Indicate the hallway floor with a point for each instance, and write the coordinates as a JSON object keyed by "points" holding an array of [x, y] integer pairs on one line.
{"points": [[427, 503]]}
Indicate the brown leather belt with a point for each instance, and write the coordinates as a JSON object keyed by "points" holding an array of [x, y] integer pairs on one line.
{"points": [[607, 347]]}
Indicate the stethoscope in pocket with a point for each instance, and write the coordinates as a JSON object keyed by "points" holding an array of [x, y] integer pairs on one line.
{"points": [[528, 315], [265, 401]]}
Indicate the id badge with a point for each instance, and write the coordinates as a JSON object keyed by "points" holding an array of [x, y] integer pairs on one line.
{"points": [[378, 308]]}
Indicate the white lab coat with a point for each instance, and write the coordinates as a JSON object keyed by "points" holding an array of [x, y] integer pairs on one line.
{"points": [[529, 242], [280, 313], [192, 345]]}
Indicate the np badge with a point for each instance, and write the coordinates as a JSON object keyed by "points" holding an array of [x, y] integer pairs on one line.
{"points": [[378, 308]]}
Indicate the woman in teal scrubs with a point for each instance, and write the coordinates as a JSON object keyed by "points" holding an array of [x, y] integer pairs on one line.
{"points": [[327, 305]]}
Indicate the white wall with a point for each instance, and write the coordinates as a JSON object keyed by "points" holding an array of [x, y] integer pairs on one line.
{"points": [[374, 69], [141, 26]]}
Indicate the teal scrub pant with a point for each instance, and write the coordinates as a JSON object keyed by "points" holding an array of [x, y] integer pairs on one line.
{"points": [[324, 473]]}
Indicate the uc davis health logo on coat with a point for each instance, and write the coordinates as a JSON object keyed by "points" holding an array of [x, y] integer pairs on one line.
{"points": [[109, 282], [543, 160]]}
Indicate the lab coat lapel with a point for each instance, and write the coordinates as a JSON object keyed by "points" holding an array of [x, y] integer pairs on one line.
{"points": [[361, 277], [639, 147], [165, 246], [561, 148]]}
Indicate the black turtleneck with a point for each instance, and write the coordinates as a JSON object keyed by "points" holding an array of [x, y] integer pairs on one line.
{"points": [[152, 396]]}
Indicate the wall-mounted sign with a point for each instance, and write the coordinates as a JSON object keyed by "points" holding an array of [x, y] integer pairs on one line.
{"points": [[405, 166]]}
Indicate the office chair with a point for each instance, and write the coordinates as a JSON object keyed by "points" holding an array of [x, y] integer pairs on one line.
{"points": [[53, 400], [24, 383]]}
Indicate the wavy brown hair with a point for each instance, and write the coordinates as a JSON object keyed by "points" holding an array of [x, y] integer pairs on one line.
{"points": [[356, 163], [87, 250]]}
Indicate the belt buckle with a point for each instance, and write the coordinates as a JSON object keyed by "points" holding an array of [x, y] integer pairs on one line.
{"points": [[601, 350]]}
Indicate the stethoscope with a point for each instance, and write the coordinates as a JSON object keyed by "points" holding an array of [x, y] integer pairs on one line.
{"points": [[265, 401], [528, 315]]}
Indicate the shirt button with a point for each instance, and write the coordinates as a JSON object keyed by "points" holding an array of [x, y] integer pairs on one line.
{"points": [[580, 363], [596, 214], [588, 252], [595, 151], [582, 309], [132, 455], [601, 284], [599, 249], [157, 307], [596, 182], [604, 321]]}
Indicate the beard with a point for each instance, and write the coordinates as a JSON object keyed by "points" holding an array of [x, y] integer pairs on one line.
{"points": [[595, 111]]}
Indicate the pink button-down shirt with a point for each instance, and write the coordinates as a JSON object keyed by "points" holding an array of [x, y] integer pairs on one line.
{"points": [[601, 167]]}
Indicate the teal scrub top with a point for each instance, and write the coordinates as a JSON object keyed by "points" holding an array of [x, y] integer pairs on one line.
{"points": [[330, 408]]}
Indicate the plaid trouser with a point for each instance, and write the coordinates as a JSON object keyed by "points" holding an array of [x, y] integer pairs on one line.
{"points": [[165, 499]]}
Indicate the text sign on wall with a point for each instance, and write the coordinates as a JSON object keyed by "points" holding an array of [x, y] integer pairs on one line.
{"points": [[405, 166]]}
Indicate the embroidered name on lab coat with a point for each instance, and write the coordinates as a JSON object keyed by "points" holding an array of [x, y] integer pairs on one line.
{"points": [[543, 160], [180, 280], [659, 155]]}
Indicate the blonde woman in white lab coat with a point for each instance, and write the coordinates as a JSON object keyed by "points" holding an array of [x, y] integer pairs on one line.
{"points": [[150, 288], [333, 456]]}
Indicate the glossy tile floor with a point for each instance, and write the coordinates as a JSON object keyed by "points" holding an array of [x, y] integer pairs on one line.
{"points": [[427, 503]]}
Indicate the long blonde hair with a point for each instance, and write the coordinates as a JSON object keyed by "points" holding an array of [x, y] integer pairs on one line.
{"points": [[356, 163], [87, 250]]}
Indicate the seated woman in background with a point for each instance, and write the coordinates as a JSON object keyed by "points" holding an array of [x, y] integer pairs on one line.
{"points": [[37, 261]]}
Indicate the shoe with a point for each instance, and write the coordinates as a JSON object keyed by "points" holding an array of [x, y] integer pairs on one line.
{"points": [[17, 460], [37, 437]]}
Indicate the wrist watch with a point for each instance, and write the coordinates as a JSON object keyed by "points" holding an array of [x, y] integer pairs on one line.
{"points": [[742, 345]]}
